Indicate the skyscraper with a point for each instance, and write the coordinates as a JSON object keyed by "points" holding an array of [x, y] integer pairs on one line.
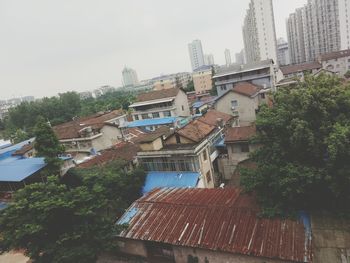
{"points": [[196, 54], [259, 32], [129, 77], [240, 57], [282, 52], [320, 27], [228, 57]]}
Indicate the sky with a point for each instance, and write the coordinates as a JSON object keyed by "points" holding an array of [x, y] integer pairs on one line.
{"points": [[53, 46]]}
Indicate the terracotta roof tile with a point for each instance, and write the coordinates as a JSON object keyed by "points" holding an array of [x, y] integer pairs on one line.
{"points": [[335, 54], [196, 130], [291, 69], [246, 88], [70, 130], [212, 116], [224, 220], [158, 94], [236, 134], [123, 151]]}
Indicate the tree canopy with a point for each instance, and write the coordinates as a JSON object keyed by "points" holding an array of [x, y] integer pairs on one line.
{"points": [[60, 222], [303, 161]]}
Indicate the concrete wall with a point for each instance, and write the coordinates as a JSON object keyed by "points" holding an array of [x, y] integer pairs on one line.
{"points": [[183, 140], [246, 106], [110, 136], [152, 146], [181, 104], [132, 247], [340, 66], [202, 81]]}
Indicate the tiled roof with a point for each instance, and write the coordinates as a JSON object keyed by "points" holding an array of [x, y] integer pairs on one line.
{"points": [[196, 130], [246, 88], [70, 130], [151, 136], [236, 134], [158, 94], [124, 151], [25, 148], [290, 69], [335, 54], [224, 220], [212, 116], [234, 69]]}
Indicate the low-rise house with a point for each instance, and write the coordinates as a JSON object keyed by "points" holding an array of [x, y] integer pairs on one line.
{"points": [[242, 101], [237, 148], [210, 225], [299, 70], [202, 79], [337, 61], [264, 73], [178, 80], [191, 148], [83, 137], [160, 104]]}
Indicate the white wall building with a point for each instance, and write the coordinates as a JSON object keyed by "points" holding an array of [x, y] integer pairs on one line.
{"points": [[129, 77], [317, 28], [259, 32], [196, 54], [228, 57]]}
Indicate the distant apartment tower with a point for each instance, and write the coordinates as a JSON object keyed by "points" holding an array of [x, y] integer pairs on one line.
{"points": [[282, 52], [208, 59], [259, 33], [228, 57], [317, 28], [129, 77], [196, 54], [240, 57]]}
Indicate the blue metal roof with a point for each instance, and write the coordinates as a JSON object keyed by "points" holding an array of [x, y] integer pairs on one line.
{"points": [[14, 169], [152, 122], [15, 147], [170, 179]]}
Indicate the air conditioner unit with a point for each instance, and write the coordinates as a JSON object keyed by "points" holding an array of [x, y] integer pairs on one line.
{"points": [[233, 108]]}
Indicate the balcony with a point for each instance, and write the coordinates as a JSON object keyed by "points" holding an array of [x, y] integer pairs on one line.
{"points": [[241, 79], [180, 166]]}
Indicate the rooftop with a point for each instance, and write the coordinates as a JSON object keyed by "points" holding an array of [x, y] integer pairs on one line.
{"points": [[237, 134], [291, 69], [70, 130], [246, 88], [152, 122], [196, 130], [217, 219], [151, 136], [212, 117], [335, 55], [234, 69], [125, 151], [159, 94], [170, 179]]}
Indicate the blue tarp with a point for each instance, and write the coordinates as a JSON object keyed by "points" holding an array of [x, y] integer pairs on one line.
{"points": [[170, 179], [13, 169], [152, 122]]}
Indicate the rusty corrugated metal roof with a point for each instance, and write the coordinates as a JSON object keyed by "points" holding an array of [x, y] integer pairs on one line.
{"points": [[216, 219]]}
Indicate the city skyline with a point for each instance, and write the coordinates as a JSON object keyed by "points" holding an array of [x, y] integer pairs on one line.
{"points": [[90, 46]]}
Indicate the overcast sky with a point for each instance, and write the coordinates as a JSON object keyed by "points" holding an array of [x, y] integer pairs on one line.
{"points": [[48, 46]]}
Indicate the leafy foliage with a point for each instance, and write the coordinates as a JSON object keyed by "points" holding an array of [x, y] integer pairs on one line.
{"points": [[47, 145], [190, 86], [347, 74], [60, 222], [305, 137]]}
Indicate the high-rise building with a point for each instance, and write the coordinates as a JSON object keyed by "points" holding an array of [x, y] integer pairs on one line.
{"points": [[240, 58], [259, 33], [208, 59], [320, 27], [282, 52], [196, 54], [228, 57], [129, 77]]}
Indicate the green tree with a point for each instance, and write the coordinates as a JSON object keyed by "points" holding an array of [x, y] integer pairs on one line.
{"points": [[305, 148], [47, 145], [347, 74], [57, 224], [190, 86]]}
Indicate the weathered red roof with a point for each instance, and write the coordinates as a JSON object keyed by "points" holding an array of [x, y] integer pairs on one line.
{"points": [[196, 130], [335, 55], [212, 117], [215, 219], [125, 151], [291, 69], [246, 88], [70, 130], [157, 94], [236, 134]]}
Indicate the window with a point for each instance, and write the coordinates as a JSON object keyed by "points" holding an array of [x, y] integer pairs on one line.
{"points": [[145, 116], [155, 115], [177, 137], [208, 177], [182, 107], [245, 148], [167, 114], [136, 117], [205, 155], [262, 95], [234, 103]]}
